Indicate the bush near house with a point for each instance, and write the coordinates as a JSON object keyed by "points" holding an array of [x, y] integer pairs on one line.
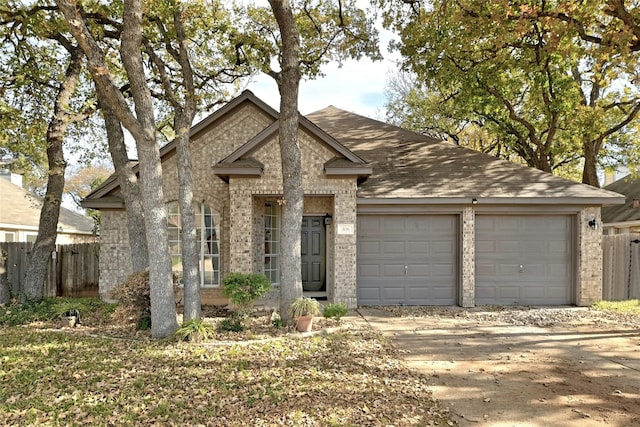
{"points": [[134, 299], [244, 290]]}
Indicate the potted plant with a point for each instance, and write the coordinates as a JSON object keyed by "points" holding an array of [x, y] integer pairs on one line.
{"points": [[303, 309]]}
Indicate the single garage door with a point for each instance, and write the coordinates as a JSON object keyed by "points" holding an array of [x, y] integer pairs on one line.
{"points": [[407, 259], [524, 260]]}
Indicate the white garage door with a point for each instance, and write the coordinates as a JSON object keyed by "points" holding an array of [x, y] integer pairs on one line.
{"points": [[523, 260], [408, 259]]}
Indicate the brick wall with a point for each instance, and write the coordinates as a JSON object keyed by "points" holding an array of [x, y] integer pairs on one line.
{"points": [[589, 258]]}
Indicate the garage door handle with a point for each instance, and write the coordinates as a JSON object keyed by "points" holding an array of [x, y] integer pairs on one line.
{"points": [[406, 267]]}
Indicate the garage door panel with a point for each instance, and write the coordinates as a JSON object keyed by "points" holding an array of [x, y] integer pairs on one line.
{"points": [[425, 244], [540, 244], [369, 225], [369, 247], [445, 247], [417, 271], [443, 270], [369, 270], [369, 293], [394, 294], [506, 246], [418, 247], [485, 247], [393, 247], [395, 271]]}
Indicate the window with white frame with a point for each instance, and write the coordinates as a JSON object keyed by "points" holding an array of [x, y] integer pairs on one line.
{"points": [[8, 236], [272, 242], [208, 240]]}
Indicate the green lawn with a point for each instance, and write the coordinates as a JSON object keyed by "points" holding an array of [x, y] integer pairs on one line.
{"points": [[625, 307], [60, 377]]}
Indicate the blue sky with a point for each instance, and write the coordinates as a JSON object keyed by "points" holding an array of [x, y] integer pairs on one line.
{"points": [[357, 86]]}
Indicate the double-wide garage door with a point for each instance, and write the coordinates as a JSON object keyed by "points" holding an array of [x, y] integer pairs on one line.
{"points": [[408, 259], [523, 259]]}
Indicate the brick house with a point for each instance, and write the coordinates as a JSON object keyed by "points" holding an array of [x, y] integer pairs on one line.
{"points": [[390, 216]]}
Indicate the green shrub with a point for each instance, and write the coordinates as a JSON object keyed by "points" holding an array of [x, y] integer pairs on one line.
{"points": [[195, 330], [49, 309], [245, 289], [232, 324], [335, 311]]}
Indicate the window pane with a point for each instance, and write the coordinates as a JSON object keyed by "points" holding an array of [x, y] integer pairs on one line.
{"points": [[271, 242], [207, 232]]}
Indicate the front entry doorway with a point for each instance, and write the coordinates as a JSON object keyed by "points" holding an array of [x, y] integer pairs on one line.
{"points": [[313, 254]]}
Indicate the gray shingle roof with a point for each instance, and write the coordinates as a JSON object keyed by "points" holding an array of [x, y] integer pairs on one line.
{"points": [[630, 187], [22, 208], [410, 165]]}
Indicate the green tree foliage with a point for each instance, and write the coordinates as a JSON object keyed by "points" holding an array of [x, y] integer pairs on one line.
{"points": [[526, 74], [329, 31], [42, 79]]}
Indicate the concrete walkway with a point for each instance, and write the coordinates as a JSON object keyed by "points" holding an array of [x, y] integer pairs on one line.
{"points": [[498, 374]]}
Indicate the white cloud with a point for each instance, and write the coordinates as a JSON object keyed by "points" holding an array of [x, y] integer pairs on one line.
{"points": [[357, 86]]}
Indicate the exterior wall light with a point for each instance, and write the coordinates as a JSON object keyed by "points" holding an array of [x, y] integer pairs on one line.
{"points": [[327, 219], [593, 223], [474, 201]]}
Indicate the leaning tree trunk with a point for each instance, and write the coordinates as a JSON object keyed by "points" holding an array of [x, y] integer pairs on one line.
{"points": [[293, 194], [142, 127], [163, 309], [45, 242], [129, 186]]}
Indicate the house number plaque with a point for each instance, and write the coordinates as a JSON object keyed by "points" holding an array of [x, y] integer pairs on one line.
{"points": [[345, 229]]}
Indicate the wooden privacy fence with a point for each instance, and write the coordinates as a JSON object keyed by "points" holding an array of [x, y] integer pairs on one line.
{"points": [[72, 269], [621, 267]]}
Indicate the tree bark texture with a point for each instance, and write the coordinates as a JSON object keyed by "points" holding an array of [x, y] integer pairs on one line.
{"points": [[293, 194], [163, 309], [45, 242], [129, 185], [590, 169], [142, 127], [183, 118]]}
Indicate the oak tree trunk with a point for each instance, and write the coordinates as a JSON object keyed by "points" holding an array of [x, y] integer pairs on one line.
{"points": [[590, 169], [183, 119], [163, 309], [129, 185], [45, 242], [293, 194], [190, 250]]}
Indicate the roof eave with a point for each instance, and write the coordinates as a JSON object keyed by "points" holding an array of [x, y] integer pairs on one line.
{"points": [[101, 204], [582, 201], [238, 172], [622, 224], [348, 171]]}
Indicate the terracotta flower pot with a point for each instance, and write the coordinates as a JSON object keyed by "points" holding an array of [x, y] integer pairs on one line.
{"points": [[304, 323]]}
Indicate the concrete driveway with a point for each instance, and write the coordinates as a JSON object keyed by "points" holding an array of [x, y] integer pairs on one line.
{"points": [[498, 374]]}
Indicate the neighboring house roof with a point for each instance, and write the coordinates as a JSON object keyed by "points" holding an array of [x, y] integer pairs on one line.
{"points": [[409, 165], [630, 187], [21, 210]]}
